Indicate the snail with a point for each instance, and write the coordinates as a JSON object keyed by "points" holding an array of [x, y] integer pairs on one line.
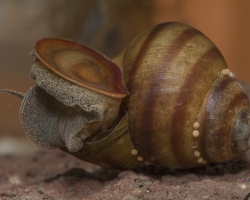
{"points": [[167, 100]]}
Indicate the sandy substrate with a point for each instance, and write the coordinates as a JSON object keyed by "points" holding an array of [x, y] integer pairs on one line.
{"points": [[56, 175]]}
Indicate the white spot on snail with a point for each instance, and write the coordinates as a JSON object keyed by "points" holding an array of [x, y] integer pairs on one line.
{"points": [[139, 158], [197, 154], [204, 162], [134, 152], [196, 133], [220, 74], [225, 72], [231, 74], [194, 145], [196, 125], [200, 160]]}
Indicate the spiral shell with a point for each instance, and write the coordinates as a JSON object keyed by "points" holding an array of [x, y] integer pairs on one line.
{"points": [[181, 108]]}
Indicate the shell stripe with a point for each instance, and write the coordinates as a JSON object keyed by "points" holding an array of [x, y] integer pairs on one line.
{"points": [[147, 124], [192, 98], [146, 141], [140, 55]]}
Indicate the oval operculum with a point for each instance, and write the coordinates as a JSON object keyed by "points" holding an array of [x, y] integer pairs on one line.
{"points": [[78, 93], [81, 65]]}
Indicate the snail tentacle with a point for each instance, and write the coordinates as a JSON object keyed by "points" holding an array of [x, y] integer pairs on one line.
{"points": [[13, 92]]}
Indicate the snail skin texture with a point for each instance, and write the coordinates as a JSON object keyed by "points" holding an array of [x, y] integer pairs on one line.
{"points": [[167, 100]]}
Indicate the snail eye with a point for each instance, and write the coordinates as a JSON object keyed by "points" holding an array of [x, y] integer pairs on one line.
{"points": [[81, 65]]}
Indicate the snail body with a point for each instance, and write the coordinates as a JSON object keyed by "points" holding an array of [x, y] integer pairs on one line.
{"points": [[167, 100]]}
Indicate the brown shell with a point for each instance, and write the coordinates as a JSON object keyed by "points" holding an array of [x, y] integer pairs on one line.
{"points": [[173, 73], [81, 65]]}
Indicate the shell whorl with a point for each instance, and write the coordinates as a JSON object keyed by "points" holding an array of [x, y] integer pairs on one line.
{"points": [[169, 71]]}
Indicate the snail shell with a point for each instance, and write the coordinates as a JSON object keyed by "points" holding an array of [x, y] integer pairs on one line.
{"points": [[181, 110], [169, 101]]}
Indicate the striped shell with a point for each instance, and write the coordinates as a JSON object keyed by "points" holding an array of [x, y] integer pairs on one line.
{"points": [[184, 108], [183, 101]]}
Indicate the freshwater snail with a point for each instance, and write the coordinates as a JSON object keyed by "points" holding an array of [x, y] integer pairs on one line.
{"points": [[167, 100]]}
